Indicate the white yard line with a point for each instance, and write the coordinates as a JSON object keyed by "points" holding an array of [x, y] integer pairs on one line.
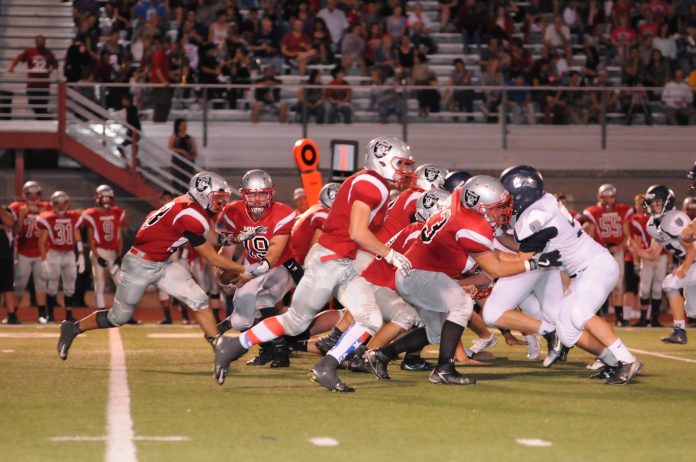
{"points": [[119, 424], [662, 355]]}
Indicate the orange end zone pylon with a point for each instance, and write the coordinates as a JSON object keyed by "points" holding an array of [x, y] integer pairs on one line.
{"points": [[306, 153]]}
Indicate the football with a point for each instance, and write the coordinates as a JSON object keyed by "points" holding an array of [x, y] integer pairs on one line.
{"points": [[226, 277]]}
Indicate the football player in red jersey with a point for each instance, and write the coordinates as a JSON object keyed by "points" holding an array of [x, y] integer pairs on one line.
{"points": [[181, 222], [262, 225], [450, 243], [104, 224], [28, 263], [57, 243], [605, 224], [357, 213], [307, 228]]}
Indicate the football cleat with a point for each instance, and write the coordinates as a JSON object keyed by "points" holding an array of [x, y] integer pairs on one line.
{"points": [[624, 372], [359, 364], [265, 355], [223, 326], [280, 353], [164, 322], [325, 343], [563, 355], [555, 350], [42, 320], [378, 363], [604, 372], [678, 336], [447, 375], [11, 319], [226, 350], [596, 365], [416, 364], [327, 378], [480, 344], [533, 346], [68, 332]]}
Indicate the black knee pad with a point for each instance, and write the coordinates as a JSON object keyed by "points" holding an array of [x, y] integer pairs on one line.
{"points": [[103, 320]]}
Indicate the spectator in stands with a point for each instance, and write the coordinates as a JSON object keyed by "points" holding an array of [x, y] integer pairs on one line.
{"points": [[353, 49], [267, 98], [159, 75], [445, 7], [251, 25], [183, 144], [657, 72], [310, 101], [210, 71], [321, 41], [622, 9], [594, 16], [339, 98], [77, 58], [143, 8], [335, 20], [41, 63], [386, 57], [520, 105], [469, 21], [648, 27], [557, 35], [265, 46], [123, 18], [297, 48], [596, 97], [494, 51], [460, 100], [577, 106], [132, 118], [591, 54], [500, 26], [419, 25], [623, 37], [687, 57], [395, 24], [634, 100], [678, 99], [406, 53], [556, 108], [520, 57], [633, 68], [573, 19], [493, 77], [384, 98], [217, 32], [82, 8], [239, 74], [666, 43], [429, 99], [196, 31]]}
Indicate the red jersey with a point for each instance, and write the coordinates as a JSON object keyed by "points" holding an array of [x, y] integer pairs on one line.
{"points": [[364, 186], [106, 224], [39, 62], [608, 223], [399, 213], [28, 238], [303, 230], [164, 231], [448, 237], [61, 229], [381, 273], [638, 229], [277, 221]]}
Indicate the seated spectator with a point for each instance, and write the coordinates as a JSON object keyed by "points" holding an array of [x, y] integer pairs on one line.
{"points": [[573, 19], [335, 20], [687, 57], [428, 100], [123, 18], [353, 49], [520, 57], [266, 47], [195, 30], [217, 32], [557, 35], [191, 51], [251, 25], [386, 57], [384, 98], [648, 27], [657, 72], [297, 48], [321, 41], [596, 103], [460, 100], [419, 25], [339, 98], [494, 51], [238, 68], [678, 99], [633, 68], [267, 98], [159, 75], [555, 111], [591, 53], [500, 26], [666, 43], [406, 53], [469, 21], [622, 9], [310, 101], [634, 100], [493, 77], [395, 24], [577, 106], [373, 41], [623, 37], [520, 104], [594, 16]]}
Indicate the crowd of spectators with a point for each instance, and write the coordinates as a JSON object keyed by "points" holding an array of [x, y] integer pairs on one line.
{"points": [[573, 43]]}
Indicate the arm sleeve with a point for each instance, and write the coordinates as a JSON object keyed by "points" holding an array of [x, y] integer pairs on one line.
{"points": [[537, 241], [195, 239]]}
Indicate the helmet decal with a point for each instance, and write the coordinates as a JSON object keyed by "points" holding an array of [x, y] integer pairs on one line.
{"points": [[203, 183], [381, 149], [471, 198], [431, 173]]}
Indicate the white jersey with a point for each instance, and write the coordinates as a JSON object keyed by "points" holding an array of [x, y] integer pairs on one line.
{"points": [[667, 229], [575, 246]]}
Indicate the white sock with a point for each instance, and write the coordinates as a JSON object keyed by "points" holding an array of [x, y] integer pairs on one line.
{"points": [[351, 339], [680, 324], [628, 312], [608, 358], [545, 328], [100, 300], [620, 352]]}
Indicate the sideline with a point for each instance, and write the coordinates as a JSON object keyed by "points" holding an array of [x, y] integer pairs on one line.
{"points": [[661, 355]]}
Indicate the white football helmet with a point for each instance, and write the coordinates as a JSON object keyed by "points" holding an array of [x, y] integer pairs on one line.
{"points": [[487, 196], [327, 195], [210, 191], [31, 188], [606, 194], [257, 191], [430, 176], [391, 159], [105, 196], [60, 201], [430, 202]]}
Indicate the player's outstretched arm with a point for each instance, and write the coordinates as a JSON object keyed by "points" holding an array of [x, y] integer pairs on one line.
{"points": [[498, 268], [207, 251], [652, 253], [276, 247]]}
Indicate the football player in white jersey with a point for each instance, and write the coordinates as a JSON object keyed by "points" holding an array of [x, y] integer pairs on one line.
{"points": [[543, 224], [666, 226]]}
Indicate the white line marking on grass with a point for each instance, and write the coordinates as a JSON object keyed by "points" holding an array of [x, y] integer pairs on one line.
{"points": [[162, 438], [324, 441], [535, 442], [119, 424], [661, 355], [183, 335], [8, 351]]}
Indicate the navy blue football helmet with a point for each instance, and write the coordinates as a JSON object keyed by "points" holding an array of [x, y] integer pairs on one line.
{"points": [[456, 179], [525, 184], [661, 193]]}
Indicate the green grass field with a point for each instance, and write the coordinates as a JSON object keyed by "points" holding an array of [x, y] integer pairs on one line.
{"points": [[264, 414]]}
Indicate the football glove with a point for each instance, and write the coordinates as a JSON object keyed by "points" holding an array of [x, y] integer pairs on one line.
{"points": [[398, 261], [545, 261], [246, 235], [257, 269]]}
